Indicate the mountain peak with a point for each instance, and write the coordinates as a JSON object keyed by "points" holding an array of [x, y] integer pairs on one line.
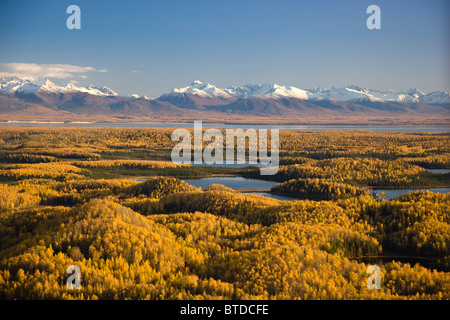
{"points": [[356, 88], [103, 90], [196, 83], [200, 89], [268, 90]]}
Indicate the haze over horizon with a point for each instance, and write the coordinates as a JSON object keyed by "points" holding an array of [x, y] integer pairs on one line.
{"points": [[149, 48]]}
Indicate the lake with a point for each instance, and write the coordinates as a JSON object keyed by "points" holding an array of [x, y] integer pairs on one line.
{"points": [[236, 183], [394, 193], [240, 183], [440, 171], [312, 127]]}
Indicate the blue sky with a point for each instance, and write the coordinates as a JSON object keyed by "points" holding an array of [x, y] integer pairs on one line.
{"points": [[149, 47]]}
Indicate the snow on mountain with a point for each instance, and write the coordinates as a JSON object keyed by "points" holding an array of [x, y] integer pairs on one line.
{"points": [[347, 94], [102, 91], [11, 85], [248, 91], [268, 90], [200, 89], [437, 97], [415, 93], [356, 93], [136, 96], [133, 96], [395, 96], [28, 86]]}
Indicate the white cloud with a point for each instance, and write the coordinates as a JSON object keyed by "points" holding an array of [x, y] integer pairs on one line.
{"points": [[35, 70], [136, 71]]}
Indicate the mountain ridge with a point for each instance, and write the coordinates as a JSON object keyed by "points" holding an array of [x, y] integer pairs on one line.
{"points": [[12, 85], [41, 100], [346, 94], [22, 85]]}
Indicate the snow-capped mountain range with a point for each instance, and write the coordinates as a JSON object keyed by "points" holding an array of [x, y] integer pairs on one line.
{"points": [[346, 94], [25, 86], [30, 99]]}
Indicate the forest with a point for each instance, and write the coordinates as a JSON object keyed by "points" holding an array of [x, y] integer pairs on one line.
{"points": [[69, 196]]}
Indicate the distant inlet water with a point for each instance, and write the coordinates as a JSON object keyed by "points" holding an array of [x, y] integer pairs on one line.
{"points": [[311, 127]]}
